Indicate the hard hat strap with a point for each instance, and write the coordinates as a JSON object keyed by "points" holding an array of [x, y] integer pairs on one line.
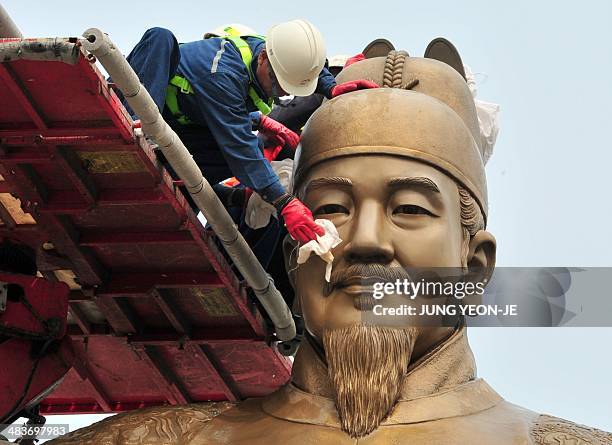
{"points": [[275, 86]]}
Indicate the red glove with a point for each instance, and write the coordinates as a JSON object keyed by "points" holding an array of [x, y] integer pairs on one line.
{"points": [[356, 58], [270, 153], [300, 223], [352, 85], [278, 131]]}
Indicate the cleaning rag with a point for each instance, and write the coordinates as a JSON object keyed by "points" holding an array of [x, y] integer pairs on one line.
{"points": [[322, 246]]}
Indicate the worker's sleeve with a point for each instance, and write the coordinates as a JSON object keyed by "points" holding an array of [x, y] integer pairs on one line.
{"points": [[255, 119], [221, 97], [326, 82]]}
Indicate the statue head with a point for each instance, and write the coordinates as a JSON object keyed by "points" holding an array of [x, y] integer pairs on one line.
{"points": [[399, 172]]}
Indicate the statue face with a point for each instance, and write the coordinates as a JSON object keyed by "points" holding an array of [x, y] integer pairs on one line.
{"points": [[388, 210]]}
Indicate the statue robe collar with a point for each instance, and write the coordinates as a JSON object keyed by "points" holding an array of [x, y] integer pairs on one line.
{"points": [[440, 385]]}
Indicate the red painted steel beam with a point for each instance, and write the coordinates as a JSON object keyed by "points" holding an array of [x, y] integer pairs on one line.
{"points": [[69, 202], [77, 296], [81, 366], [58, 131], [47, 408], [70, 408], [102, 238], [71, 165], [118, 314], [49, 261], [205, 359], [80, 318], [141, 284], [146, 154], [23, 96], [108, 100], [202, 337], [59, 207], [85, 143], [199, 336], [25, 181], [28, 155], [131, 197], [174, 316], [65, 238], [162, 376], [96, 330]]}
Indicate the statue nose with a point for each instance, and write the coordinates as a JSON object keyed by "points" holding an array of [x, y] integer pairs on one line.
{"points": [[368, 241]]}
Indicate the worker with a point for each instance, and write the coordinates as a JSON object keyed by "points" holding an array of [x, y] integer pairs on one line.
{"points": [[215, 91]]}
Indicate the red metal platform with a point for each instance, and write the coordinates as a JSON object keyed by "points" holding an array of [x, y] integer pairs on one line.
{"points": [[156, 313]]}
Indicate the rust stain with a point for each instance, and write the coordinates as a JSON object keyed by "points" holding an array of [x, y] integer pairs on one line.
{"points": [[215, 302], [109, 162]]}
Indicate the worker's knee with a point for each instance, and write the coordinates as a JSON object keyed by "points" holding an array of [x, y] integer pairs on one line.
{"points": [[159, 35]]}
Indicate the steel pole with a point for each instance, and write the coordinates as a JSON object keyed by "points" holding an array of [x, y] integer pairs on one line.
{"points": [[7, 26]]}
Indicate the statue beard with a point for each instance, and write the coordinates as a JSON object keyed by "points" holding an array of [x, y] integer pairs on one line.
{"points": [[366, 366]]}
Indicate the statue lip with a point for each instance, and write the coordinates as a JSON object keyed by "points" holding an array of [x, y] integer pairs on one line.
{"points": [[366, 281], [353, 282], [357, 289], [356, 285]]}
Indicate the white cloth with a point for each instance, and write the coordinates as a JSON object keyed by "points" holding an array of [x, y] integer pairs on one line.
{"points": [[258, 211], [202, 218], [488, 117], [322, 246]]}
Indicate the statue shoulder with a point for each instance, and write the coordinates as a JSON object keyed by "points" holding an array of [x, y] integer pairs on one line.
{"points": [[549, 430], [163, 425]]}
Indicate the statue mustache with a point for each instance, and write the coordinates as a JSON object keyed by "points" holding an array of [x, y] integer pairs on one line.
{"points": [[367, 272]]}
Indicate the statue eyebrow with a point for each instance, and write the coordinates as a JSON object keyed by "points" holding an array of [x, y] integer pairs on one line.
{"points": [[332, 180], [417, 181]]}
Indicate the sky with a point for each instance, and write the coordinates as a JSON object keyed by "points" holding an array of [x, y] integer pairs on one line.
{"points": [[548, 64]]}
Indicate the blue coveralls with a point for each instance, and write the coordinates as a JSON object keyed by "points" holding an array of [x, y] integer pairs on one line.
{"points": [[221, 139], [223, 115]]}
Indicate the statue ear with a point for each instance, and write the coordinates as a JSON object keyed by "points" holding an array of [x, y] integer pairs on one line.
{"points": [[481, 256], [480, 263], [377, 48], [444, 51]]}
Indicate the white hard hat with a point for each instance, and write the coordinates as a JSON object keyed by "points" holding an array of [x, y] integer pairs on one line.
{"points": [[338, 61], [233, 29], [296, 51]]}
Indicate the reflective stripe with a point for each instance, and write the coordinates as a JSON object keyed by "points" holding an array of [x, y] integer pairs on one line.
{"points": [[215, 63]]}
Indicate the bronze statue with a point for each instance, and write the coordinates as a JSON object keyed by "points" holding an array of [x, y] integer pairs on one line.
{"points": [[399, 172]]}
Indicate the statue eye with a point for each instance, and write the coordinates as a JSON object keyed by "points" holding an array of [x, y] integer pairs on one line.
{"points": [[330, 209], [411, 209]]}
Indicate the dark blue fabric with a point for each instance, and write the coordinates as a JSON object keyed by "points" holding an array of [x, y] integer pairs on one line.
{"points": [[221, 139], [155, 59]]}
